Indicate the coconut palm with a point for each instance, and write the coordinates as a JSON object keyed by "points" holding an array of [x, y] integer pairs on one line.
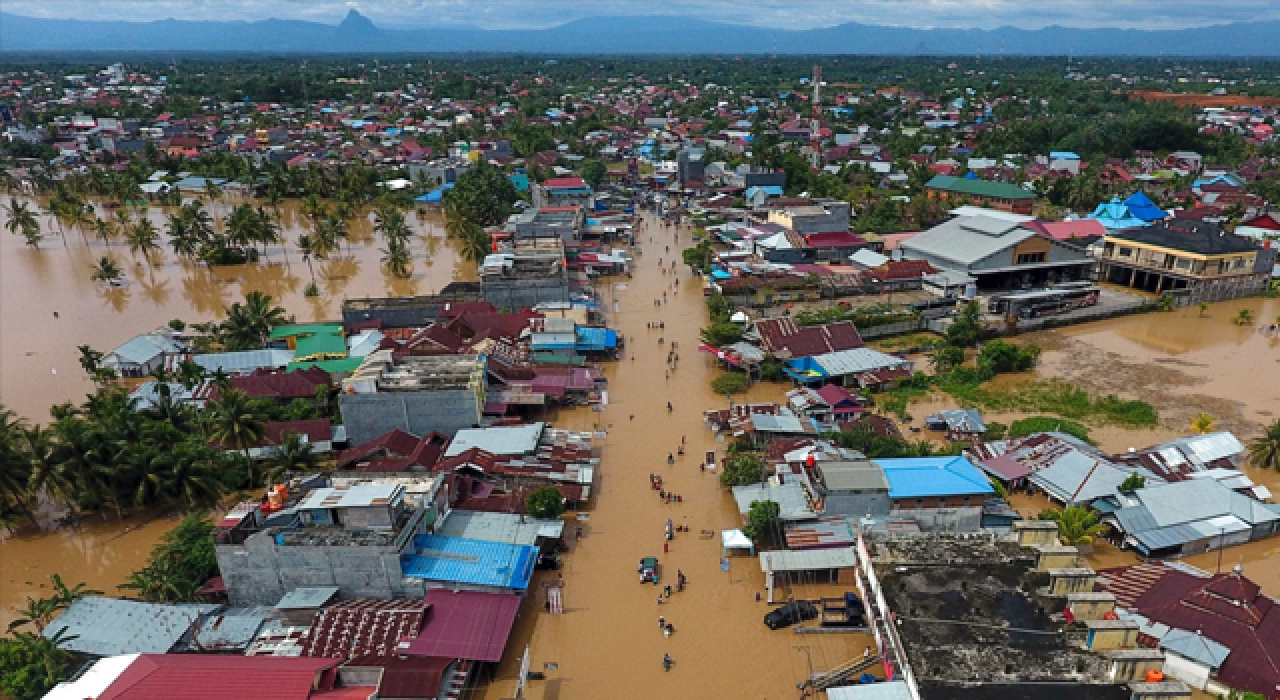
{"points": [[1244, 317], [1202, 423], [248, 325], [307, 249], [184, 474], [143, 238], [1076, 524], [397, 259], [22, 221], [237, 423], [293, 454], [1264, 450], [83, 456], [107, 271], [104, 228], [15, 466]]}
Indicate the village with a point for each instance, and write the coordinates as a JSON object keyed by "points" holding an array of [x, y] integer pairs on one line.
{"points": [[863, 406]]}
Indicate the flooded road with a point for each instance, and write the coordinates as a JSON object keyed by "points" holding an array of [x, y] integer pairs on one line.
{"points": [[38, 356], [607, 643]]}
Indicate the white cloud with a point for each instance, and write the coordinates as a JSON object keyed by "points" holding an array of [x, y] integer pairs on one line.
{"points": [[796, 14]]}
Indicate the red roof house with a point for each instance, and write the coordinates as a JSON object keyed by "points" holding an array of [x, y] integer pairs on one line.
{"points": [[224, 677]]}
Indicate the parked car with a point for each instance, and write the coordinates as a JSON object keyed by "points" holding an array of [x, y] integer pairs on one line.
{"points": [[648, 570], [792, 613]]}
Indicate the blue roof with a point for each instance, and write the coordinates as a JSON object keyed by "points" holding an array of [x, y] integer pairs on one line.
{"points": [[596, 338], [1115, 215], [520, 180], [1063, 155], [771, 190], [436, 195], [925, 477], [474, 562], [1141, 206]]}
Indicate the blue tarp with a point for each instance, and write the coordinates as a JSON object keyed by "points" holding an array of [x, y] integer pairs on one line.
{"points": [[436, 195]]}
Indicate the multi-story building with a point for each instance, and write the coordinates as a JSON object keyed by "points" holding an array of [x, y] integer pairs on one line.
{"points": [[528, 272], [1193, 260], [416, 394]]}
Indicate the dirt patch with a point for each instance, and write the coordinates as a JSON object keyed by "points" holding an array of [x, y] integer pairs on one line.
{"points": [[1198, 100]]}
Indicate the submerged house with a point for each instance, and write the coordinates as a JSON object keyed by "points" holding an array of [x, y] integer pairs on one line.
{"points": [[1187, 517]]}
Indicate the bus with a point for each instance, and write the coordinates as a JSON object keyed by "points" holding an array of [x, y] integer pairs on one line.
{"points": [[1056, 299]]}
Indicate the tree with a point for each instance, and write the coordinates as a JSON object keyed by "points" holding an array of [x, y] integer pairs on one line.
{"points": [[22, 221], [397, 259], [179, 565], [1076, 524], [248, 325], [1244, 317], [483, 195], [742, 470], [730, 383], [761, 516], [594, 172], [293, 454], [143, 238], [237, 424], [546, 502], [721, 333], [700, 256], [31, 664], [1203, 307], [945, 358], [107, 271], [1202, 423], [1264, 450], [998, 356], [1132, 483], [967, 329]]}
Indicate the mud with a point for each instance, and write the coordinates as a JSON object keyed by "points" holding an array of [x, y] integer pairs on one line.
{"points": [[38, 356]]}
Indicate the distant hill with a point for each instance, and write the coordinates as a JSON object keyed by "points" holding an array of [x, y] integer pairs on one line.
{"points": [[624, 35]]}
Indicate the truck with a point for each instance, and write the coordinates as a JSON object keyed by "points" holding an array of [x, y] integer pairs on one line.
{"points": [[648, 570]]}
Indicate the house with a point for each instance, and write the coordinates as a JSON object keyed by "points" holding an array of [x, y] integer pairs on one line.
{"points": [[1115, 215], [317, 433], [524, 273], [1193, 260], [997, 195], [394, 451], [784, 338], [959, 423], [142, 354], [1184, 457], [827, 405], [1218, 631], [853, 488], [1187, 517], [285, 387], [461, 564], [209, 677], [997, 254], [760, 423], [104, 627], [812, 217], [564, 192], [467, 625], [937, 493], [312, 341], [152, 394], [857, 367], [416, 394]]}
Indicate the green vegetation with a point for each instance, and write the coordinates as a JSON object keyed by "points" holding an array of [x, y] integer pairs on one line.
{"points": [[967, 329], [863, 317], [874, 445], [1243, 317], [699, 257], [179, 565], [909, 342], [1132, 483], [730, 383], [1048, 424], [1053, 396], [742, 469], [1202, 423], [1076, 524], [761, 517], [1000, 357], [721, 333], [546, 502], [247, 326], [1264, 450]]}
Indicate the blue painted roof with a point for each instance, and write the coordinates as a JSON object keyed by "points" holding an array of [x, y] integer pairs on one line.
{"points": [[475, 562], [596, 338], [436, 195], [1063, 155], [1115, 215], [925, 477], [1141, 206]]}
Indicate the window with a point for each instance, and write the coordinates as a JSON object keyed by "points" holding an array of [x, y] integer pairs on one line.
{"points": [[1182, 264], [1126, 252], [1030, 258], [1237, 263]]}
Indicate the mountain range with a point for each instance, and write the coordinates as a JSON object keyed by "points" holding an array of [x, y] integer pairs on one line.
{"points": [[624, 35]]}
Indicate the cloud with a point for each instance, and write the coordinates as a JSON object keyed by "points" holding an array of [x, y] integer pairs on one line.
{"points": [[793, 14]]}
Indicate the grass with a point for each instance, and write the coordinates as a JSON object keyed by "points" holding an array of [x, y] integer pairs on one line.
{"points": [[1044, 424], [910, 341], [1056, 397]]}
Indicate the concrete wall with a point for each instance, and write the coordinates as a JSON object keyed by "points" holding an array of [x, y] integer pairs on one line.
{"points": [[1057, 253], [514, 294], [367, 416], [855, 505], [260, 572], [1190, 672], [962, 519]]}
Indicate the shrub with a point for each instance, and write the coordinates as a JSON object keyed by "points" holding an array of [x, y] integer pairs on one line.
{"points": [[546, 502], [742, 470], [1047, 424], [730, 383]]}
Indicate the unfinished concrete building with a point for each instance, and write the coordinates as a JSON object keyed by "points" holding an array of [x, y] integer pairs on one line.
{"points": [[527, 272], [407, 312], [416, 394], [564, 223]]}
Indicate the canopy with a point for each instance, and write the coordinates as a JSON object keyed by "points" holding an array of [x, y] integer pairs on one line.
{"points": [[736, 539], [739, 317]]}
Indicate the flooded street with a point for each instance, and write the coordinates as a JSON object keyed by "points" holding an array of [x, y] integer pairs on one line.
{"points": [[38, 356], [608, 637]]}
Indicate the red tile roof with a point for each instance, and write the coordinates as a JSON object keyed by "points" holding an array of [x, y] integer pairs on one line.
{"points": [[834, 240], [465, 625], [901, 270], [396, 451], [218, 677]]}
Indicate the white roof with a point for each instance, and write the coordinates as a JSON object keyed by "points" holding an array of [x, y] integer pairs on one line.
{"points": [[735, 539], [970, 210], [808, 559], [501, 440], [354, 496], [868, 258], [893, 690], [95, 681]]}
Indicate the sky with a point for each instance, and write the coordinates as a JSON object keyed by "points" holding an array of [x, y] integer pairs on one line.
{"points": [[790, 14]]}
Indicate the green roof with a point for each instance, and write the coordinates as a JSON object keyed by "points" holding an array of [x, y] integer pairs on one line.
{"points": [[346, 364], [981, 188], [289, 330]]}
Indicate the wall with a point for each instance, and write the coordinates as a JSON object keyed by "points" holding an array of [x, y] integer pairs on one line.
{"points": [[367, 416], [856, 505], [259, 572], [1193, 674], [958, 519], [515, 294]]}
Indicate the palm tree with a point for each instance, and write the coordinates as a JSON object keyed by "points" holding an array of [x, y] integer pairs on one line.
{"points": [[107, 271], [184, 474], [143, 238], [190, 374], [291, 455], [1244, 317], [1202, 423], [237, 424], [83, 457], [249, 325], [1076, 524], [22, 221], [397, 259], [104, 228], [15, 466], [1264, 450], [308, 251]]}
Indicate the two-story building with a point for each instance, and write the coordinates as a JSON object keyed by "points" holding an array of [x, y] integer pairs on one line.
{"points": [[983, 193], [997, 253], [1193, 260]]}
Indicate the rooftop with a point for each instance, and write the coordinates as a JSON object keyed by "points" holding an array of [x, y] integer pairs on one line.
{"points": [[109, 626], [1189, 236], [473, 562], [360, 495], [465, 625], [498, 527], [363, 627], [925, 477], [417, 373], [501, 440]]}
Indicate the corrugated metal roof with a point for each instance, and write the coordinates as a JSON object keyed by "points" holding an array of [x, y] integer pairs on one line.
{"points": [[1196, 647], [858, 360], [458, 560], [926, 477], [892, 690], [498, 527], [845, 476], [808, 559], [499, 440], [307, 597], [353, 496], [792, 502], [107, 626]]}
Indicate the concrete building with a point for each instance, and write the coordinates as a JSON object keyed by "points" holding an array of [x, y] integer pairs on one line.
{"points": [[529, 272], [331, 531], [142, 354], [563, 192], [564, 223], [820, 216], [854, 489], [983, 193], [690, 167], [416, 394], [997, 254], [1187, 517], [1193, 260], [938, 493], [408, 312]]}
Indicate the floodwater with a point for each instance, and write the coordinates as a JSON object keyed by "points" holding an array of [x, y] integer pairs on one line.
{"points": [[99, 553], [39, 362], [607, 643], [38, 358]]}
